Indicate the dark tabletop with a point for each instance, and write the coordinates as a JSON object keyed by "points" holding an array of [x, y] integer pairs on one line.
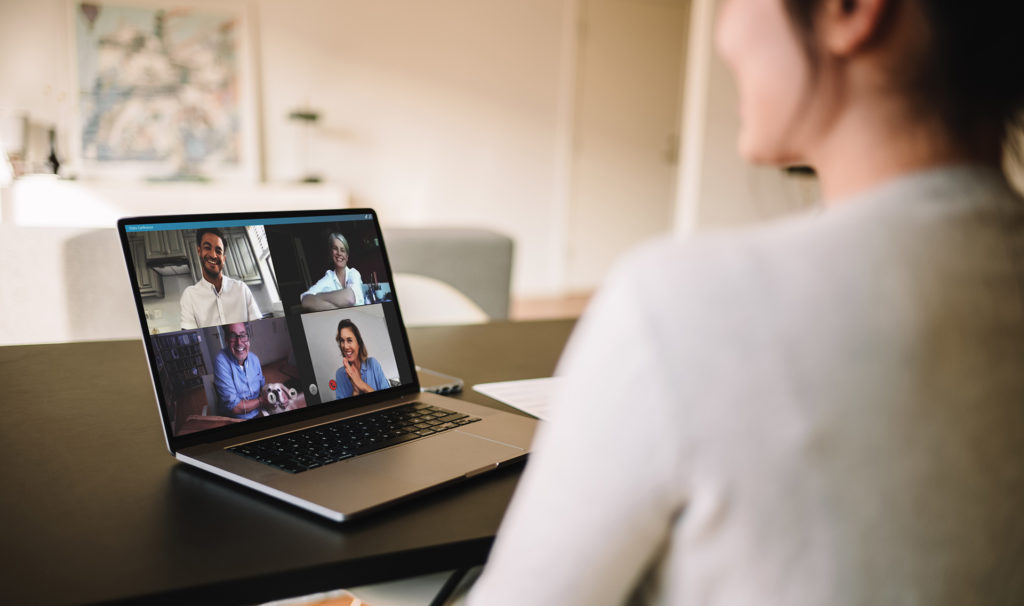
{"points": [[95, 509]]}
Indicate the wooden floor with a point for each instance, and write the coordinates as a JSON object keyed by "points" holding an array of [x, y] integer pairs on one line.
{"points": [[569, 306]]}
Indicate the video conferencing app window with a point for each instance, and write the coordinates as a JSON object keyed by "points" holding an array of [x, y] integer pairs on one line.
{"points": [[305, 315]]}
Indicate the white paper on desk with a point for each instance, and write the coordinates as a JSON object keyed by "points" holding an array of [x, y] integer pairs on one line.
{"points": [[529, 395]]}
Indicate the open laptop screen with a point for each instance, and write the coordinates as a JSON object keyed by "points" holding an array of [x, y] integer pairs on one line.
{"points": [[253, 316]]}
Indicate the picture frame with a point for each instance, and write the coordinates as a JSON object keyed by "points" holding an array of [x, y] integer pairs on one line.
{"points": [[164, 90]]}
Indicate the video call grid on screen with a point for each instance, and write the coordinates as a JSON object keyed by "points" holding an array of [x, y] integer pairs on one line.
{"points": [[290, 254]]}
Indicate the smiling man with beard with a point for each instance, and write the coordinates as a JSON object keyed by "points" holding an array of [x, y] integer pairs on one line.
{"points": [[215, 299], [238, 376]]}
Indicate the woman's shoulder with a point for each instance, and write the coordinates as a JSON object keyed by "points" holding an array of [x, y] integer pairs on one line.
{"points": [[725, 258], [742, 281], [324, 279]]}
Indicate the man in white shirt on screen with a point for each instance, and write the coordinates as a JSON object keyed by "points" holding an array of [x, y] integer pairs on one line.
{"points": [[215, 299]]}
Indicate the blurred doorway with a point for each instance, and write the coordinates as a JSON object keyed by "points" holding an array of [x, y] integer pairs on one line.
{"points": [[628, 100]]}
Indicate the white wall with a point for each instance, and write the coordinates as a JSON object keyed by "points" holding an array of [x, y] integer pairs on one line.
{"points": [[449, 112], [717, 187], [625, 130], [434, 113], [35, 60]]}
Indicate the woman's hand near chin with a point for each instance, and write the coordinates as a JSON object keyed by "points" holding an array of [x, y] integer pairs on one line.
{"points": [[358, 385]]}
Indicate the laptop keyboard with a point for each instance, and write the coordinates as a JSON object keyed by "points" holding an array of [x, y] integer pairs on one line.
{"points": [[332, 442]]}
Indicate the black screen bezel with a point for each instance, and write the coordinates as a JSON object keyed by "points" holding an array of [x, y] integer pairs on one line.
{"points": [[176, 443]]}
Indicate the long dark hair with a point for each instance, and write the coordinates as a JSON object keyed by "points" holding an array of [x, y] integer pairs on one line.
{"points": [[972, 75], [346, 323]]}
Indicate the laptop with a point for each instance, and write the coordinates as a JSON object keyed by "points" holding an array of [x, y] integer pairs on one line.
{"points": [[280, 361]]}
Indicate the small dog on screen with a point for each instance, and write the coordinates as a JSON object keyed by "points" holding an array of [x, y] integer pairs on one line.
{"points": [[278, 398]]}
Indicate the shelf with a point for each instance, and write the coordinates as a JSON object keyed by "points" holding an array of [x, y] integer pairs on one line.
{"points": [[45, 201]]}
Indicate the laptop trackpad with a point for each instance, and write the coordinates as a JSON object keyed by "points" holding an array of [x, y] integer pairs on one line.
{"points": [[438, 458]]}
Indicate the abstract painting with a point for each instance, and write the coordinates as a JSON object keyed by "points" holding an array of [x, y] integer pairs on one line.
{"points": [[163, 91]]}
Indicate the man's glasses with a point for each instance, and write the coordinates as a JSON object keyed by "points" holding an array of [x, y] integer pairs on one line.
{"points": [[238, 337]]}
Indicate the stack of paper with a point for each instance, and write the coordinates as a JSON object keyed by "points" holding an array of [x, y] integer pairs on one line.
{"points": [[529, 395]]}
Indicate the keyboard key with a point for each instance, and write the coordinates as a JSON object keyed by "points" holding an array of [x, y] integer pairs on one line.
{"points": [[329, 443], [451, 417], [398, 440]]}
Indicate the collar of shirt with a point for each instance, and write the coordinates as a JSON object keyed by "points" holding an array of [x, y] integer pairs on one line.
{"points": [[234, 360], [338, 284], [225, 285]]}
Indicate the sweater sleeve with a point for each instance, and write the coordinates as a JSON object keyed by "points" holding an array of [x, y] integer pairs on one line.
{"points": [[602, 488]]}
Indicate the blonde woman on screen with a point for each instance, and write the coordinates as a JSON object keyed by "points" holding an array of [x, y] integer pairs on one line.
{"points": [[341, 286]]}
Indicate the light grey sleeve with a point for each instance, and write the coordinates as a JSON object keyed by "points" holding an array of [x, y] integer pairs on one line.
{"points": [[602, 488]]}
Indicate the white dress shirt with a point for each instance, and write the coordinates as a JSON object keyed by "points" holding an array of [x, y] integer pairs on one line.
{"points": [[330, 283], [202, 305]]}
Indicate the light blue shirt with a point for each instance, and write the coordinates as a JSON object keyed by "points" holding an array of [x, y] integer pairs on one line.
{"points": [[235, 382], [371, 373]]}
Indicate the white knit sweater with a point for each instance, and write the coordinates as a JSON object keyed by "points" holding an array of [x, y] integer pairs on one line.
{"points": [[826, 410]]}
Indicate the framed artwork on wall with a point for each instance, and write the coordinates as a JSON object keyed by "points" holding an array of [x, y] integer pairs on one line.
{"points": [[164, 90]]}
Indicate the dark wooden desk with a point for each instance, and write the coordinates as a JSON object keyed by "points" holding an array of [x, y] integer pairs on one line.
{"points": [[95, 509]]}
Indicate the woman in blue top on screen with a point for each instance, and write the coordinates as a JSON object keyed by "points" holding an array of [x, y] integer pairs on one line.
{"points": [[359, 373]]}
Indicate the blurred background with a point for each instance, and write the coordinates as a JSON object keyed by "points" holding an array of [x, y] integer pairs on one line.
{"points": [[577, 128]]}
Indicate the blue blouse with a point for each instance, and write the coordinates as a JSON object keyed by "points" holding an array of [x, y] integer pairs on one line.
{"points": [[371, 373]]}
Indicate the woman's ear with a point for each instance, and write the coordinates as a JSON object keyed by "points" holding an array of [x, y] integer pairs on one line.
{"points": [[846, 26]]}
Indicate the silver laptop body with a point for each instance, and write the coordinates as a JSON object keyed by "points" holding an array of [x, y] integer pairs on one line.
{"points": [[209, 355]]}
